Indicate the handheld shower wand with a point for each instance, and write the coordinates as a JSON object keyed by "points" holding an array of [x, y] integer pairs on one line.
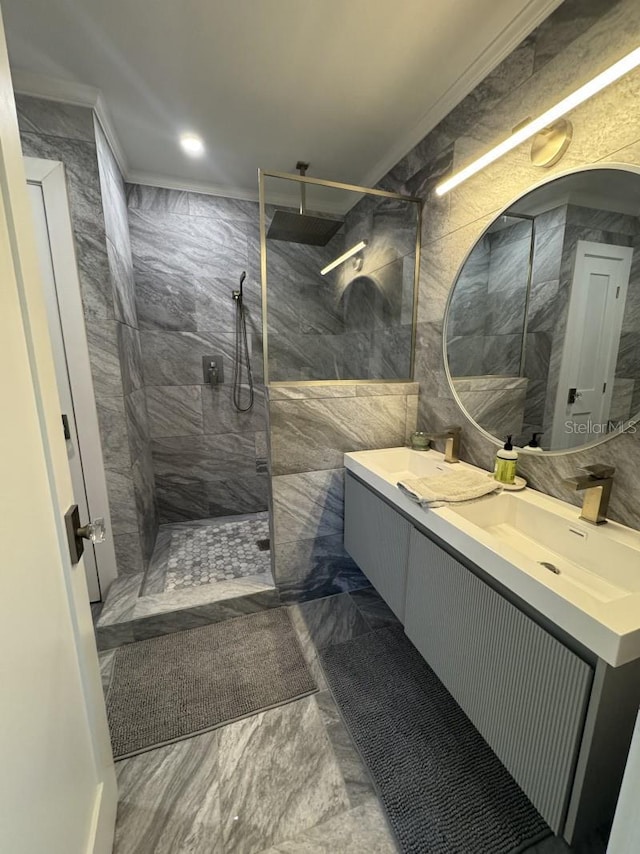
{"points": [[241, 352]]}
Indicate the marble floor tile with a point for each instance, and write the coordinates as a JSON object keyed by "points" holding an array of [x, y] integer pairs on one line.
{"points": [[363, 830], [356, 776], [278, 777], [202, 594], [106, 667], [121, 600], [373, 608], [169, 800], [332, 620], [308, 647]]}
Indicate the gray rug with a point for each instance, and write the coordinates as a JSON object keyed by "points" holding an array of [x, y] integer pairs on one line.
{"points": [[443, 788], [176, 686]]}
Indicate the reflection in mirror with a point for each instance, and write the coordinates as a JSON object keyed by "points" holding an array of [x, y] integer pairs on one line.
{"points": [[333, 315], [543, 324]]}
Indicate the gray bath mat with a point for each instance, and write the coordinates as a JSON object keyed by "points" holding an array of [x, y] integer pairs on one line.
{"points": [[443, 788], [176, 686]]}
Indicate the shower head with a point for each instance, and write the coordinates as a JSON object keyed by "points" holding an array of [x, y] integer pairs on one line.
{"points": [[302, 227]]}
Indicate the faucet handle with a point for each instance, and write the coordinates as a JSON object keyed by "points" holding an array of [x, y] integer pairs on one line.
{"points": [[599, 470]]}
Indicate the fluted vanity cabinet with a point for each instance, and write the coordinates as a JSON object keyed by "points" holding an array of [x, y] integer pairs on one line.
{"points": [[524, 691], [377, 538]]}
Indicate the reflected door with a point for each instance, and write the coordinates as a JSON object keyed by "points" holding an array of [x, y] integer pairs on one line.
{"points": [[592, 340]]}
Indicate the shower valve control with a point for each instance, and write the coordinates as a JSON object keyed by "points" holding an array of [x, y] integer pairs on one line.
{"points": [[213, 370]]}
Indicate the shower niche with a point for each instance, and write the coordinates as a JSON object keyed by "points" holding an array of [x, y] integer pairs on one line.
{"points": [[339, 268]]}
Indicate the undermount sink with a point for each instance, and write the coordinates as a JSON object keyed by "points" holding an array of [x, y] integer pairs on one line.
{"points": [[590, 558]]}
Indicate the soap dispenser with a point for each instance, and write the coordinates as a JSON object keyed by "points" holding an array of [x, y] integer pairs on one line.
{"points": [[505, 470], [534, 443]]}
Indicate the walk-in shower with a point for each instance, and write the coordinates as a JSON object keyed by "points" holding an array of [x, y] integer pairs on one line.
{"points": [[339, 279]]}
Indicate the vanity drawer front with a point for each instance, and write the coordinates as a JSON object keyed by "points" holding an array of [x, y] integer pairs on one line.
{"points": [[524, 691], [377, 538]]}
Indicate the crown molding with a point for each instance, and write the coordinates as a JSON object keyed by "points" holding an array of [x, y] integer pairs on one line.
{"points": [[70, 92], [499, 49]]}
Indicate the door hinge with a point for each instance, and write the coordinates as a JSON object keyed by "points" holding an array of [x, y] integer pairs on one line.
{"points": [[617, 291], [65, 426], [604, 388]]}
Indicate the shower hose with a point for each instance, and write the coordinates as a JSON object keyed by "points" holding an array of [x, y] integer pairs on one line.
{"points": [[242, 360]]}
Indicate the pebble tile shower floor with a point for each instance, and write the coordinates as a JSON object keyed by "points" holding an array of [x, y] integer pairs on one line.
{"points": [[202, 555]]}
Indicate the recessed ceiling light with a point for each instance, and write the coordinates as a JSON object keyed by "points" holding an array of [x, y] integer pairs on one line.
{"points": [[192, 144]]}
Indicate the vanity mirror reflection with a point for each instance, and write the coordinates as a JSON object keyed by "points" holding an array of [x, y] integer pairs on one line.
{"points": [[542, 332]]}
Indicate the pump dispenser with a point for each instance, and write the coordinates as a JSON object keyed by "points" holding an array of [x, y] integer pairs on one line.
{"points": [[534, 443], [505, 470]]}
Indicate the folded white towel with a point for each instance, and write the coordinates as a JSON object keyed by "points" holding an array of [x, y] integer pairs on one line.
{"points": [[451, 488]]}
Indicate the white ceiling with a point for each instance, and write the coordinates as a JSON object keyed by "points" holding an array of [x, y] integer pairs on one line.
{"points": [[349, 85]]}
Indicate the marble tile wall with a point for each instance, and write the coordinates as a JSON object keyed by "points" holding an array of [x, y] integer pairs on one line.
{"points": [[189, 250], [572, 45], [310, 428], [56, 131]]}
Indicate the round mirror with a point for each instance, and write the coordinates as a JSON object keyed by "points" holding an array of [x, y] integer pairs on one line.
{"points": [[542, 334]]}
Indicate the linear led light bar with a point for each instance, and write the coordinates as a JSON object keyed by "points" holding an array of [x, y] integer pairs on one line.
{"points": [[342, 258], [601, 81]]}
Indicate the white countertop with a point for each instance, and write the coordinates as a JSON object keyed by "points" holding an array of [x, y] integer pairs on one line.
{"points": [[606, 624]]}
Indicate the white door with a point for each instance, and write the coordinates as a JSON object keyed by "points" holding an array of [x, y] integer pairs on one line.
{"points": [[592, 340], [64, 386], [57, 781]]}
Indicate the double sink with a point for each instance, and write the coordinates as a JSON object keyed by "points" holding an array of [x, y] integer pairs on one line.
{"points": [[582, 577]]}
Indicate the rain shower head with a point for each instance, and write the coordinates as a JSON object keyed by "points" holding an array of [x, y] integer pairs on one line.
{"points": [[302, 227]]}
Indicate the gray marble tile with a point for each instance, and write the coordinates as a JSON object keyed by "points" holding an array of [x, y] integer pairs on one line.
{"points": [[121, 271], [113, 636], [207, 457], [315, 434], [499, 412], [121, 600], [154, 604], [174, 410], [316, 390], [163, 302], [311, 569], [332, 620], [106, 667], [137, 420], [215, 308], [54, 118], [130, 357], [237, 495], [143, 197], [194, 616], [373, 608], [362, 829], [112, 423], [501, 354], [308, 647], [170, 243], [102, 339], [221, 416], [411, 423], [537, 355], [81, 171], [128, 554], [384, 389], [146, 509], [356, 776], [95, 277], [175, 358], [169, 800], [122, 502], [179, 502], [308, 505], [289, 745], [219, 207], [155, 576]]}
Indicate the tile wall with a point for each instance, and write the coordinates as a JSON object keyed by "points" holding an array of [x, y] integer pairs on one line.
{"points": [[311, 427], [62, 132], [189, 250], [576, 42]]}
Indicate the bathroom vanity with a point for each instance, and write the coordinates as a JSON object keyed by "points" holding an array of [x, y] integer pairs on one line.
{"points": [[528, 615]]}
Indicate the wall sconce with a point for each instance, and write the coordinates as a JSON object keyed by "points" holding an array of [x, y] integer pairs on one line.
{"points": [[344, 257], [546, 120]]}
